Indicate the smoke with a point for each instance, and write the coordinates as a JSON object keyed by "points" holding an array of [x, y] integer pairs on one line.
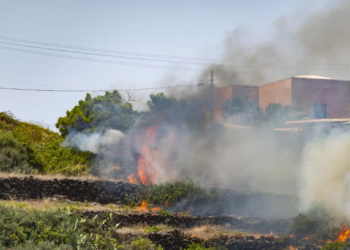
{"points": [[254, 159], [318, 45], [95, 142], [325, 173]]}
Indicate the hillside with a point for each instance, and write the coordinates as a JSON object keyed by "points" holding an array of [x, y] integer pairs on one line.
{"points": [[29, 148]]}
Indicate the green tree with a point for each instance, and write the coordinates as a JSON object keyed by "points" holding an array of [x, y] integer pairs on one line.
{"points": [[243, 111], [277, 114], [99, 113]]}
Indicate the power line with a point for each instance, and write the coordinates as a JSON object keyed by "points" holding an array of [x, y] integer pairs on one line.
{"points": [[9, 79], [97, 60], [107, 51], [95, 90], [195, 60], [147, 65], [106, 55]]}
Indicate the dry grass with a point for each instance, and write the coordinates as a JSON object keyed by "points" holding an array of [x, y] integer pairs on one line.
{"points": [[52, 204], [210, 231], [142, 229], [57, 176]]}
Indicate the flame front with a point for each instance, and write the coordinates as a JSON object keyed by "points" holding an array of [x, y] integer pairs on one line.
{"points": [[132, 179], [143, 207], [153, 164], [291, 248], [344, 234], [155, 209], [145, 169]]}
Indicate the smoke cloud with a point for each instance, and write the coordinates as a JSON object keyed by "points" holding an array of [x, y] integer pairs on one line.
{"points": [[318, 45], [325, 173], [256, 159], [95, 142]]}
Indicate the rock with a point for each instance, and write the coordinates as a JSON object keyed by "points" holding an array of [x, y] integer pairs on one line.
{"points": [[7, 186]]}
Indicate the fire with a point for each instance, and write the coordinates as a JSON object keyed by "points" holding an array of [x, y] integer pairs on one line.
{"points": [[145, 169], [166, 204], [291, 248], [344, 234], [271, 233], [306, 238], [154, 209], [143, 207], [153, 162], [132, 179]]}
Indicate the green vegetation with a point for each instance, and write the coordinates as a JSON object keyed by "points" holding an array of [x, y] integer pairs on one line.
{"points": [[201, 246], [336, 246], [316, 223], [153, 229], [29, 148], [54, 228], [242, 111], [144, 244], [97, 114], [170, 193]]}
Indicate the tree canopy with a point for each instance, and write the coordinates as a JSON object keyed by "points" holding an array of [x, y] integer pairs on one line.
{"points": [[102, 112]]}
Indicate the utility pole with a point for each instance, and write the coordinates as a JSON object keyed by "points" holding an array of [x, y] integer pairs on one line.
{"points": [[212, 97]]}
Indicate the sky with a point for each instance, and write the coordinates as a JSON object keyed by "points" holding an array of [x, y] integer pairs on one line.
{"points": [[194, 28]]}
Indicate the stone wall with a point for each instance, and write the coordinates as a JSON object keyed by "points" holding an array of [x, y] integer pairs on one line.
{"points": [[124, 219], [175, 240], [103, 192]]}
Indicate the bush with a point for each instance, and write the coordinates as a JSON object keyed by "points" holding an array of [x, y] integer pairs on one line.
{"points": [[144, 244], [201, 246], [174, 192], [153, 229], [54, 229], [336, 246], [14, 155], [30, 148], [317, 223]]}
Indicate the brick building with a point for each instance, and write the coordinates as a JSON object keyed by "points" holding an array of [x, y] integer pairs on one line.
{"points": [[319, 97]]}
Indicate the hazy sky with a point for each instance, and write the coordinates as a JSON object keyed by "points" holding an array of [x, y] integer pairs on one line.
{"points": [[194, 28]]}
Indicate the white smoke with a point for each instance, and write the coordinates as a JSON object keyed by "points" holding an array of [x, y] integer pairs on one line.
{"points": [[325, 173], [94, 141]]}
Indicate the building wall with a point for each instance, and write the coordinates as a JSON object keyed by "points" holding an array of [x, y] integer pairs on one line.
{"points": [[222, 94], [334, 93], [252, 92], [276, 92]]}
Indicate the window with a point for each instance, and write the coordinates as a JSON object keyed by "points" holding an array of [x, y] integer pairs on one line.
{"points": [[320, 110]]}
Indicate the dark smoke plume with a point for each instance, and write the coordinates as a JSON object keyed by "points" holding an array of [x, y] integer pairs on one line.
{"points": [[319, 45]]}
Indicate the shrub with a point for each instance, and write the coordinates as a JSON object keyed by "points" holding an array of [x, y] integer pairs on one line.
{"points": [[53, 229], [336, 246], [30, 148], [144, 244], [201, 246], [153, 229], [317, 223], [174, 192], [14, 156]]}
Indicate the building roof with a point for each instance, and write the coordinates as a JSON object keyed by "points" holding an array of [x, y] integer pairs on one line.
{"points": [[312, 77]]}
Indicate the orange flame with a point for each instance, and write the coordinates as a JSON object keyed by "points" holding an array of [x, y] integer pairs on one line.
{"points": [[145, 170], [306, 238], [291, 248], [166, 204], [132, 179], [143, 207], [155, 209], [344, 233]]}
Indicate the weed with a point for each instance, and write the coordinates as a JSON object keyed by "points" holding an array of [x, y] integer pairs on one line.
{"points": [[336, 246], [144, 244], [153, 229]]}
